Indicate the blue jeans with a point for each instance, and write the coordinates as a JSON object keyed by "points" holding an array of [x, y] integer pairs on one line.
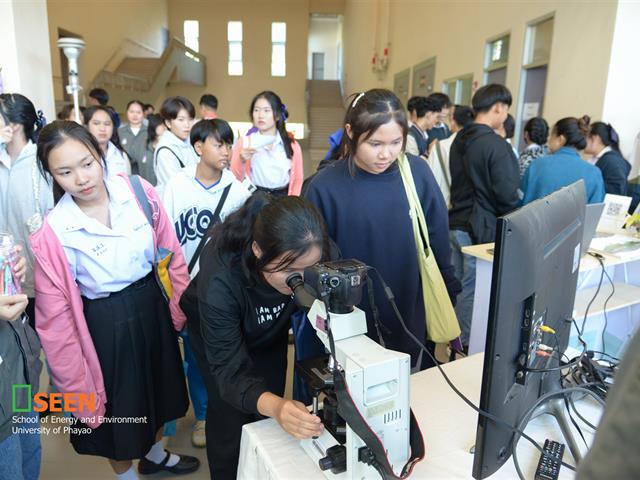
{"points": [[197, 388], [465, 271], [20, 454]]}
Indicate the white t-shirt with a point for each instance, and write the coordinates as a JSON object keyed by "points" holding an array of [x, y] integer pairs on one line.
{"points": [[190, 206], [104, 260], [166, 163], [270, 167]]}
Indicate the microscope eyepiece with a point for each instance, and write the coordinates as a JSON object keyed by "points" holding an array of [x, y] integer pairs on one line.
{"points": [[294, 281]]}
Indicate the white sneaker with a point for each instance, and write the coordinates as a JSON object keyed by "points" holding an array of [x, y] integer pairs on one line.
{"points": [[198, 436]]}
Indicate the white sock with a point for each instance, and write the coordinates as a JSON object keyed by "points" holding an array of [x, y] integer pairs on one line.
{"points": [[128, 475], [157, 454]]}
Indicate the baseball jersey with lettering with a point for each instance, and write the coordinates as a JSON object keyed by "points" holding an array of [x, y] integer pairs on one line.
{"points": [[191, 206]]}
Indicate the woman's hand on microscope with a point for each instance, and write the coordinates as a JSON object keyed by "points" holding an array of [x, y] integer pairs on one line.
{"points": [[292, 416]]}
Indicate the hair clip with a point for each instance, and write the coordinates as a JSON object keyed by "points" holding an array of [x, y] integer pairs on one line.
{"points": [[353, 105], [283, 109]]}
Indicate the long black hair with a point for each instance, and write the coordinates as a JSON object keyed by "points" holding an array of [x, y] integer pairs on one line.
{"points": [[607, 134], [280, 114], [288, 226], [16, 108], [367, 112], [54, 135], [154, 120], [91, 111]]}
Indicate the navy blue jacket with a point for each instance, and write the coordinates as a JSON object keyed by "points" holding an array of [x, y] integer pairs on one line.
{"points": [[438, 133], [367, 215], [615, 170], [421, 142]]}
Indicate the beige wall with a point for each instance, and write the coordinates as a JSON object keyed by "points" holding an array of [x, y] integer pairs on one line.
{"points": [[235, 93], [326, 6], [456, 33], [108, 28]]}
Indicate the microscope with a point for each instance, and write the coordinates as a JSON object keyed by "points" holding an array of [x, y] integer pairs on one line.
{"points": [[364, 386]]}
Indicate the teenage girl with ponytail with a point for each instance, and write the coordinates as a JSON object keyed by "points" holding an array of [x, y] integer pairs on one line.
{"points": [[564, 166], [25, 194], [603, 144], [270, 157], [239, 311], [107, 329]]}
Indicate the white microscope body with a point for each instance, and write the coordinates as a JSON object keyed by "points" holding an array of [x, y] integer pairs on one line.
{"points": [[378, 382]]}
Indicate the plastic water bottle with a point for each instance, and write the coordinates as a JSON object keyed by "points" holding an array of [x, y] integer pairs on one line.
{"points": [[9, 282]]}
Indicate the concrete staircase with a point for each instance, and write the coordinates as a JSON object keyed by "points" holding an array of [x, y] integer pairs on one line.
{"points": [[146, 78], [326, 114]]}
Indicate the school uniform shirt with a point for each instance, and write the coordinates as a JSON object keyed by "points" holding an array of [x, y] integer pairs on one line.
{"points": [[116, 161], [360, 212], [244, 323], [615, 170], [270, 166], [133, 142], [439, 163], [191, 206], [19, 181], [171, 155], [417, 141], [560, 169], [104, 260]]}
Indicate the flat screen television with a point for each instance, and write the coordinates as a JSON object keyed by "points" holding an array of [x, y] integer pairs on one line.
{"points": [[535, 272]]}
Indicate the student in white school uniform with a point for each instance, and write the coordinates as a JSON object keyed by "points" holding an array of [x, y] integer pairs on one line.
{"points": [[100, 123], [270, 157], [174, 151], [106, 327], [196, 199]]}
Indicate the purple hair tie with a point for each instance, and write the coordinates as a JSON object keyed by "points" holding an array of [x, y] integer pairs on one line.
{"points": [[613, 134], [283, 109]]}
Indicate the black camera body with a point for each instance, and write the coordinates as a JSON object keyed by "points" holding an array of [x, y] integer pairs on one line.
{"points": [[337, 283]]}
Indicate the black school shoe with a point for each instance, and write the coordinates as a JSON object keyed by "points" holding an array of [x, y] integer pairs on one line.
{"points": [[186, 464]]}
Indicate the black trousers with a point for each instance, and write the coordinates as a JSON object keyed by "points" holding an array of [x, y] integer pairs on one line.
{"points": [[224, 421]]}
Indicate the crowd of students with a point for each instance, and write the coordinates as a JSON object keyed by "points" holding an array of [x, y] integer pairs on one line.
{"points": [[230, 213]]}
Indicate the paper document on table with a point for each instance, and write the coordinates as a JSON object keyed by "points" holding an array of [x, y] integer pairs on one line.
{"points": [[615, 213], [622, 246]]}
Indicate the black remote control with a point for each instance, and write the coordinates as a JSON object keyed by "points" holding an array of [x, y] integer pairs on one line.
{"points": [[550, 461]]}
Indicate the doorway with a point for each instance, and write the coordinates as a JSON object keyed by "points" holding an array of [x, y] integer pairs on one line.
{"points": [[317, 66], [324, 60]]}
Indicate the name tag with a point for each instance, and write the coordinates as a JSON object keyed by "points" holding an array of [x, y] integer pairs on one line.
{"points": [[99, 250]]}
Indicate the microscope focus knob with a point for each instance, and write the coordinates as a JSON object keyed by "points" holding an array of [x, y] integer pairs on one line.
{"points": [[336, 460]]}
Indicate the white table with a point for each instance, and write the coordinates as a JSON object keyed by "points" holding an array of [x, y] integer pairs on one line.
{"points": [[623, 309], [448, 427]]}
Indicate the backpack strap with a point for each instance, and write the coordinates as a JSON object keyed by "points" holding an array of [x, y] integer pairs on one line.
{"points": [[174, 154], [214, 220], [140, 194]]}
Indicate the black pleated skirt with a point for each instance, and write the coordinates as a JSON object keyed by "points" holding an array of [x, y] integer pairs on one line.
{"points": [[138, 351]]}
